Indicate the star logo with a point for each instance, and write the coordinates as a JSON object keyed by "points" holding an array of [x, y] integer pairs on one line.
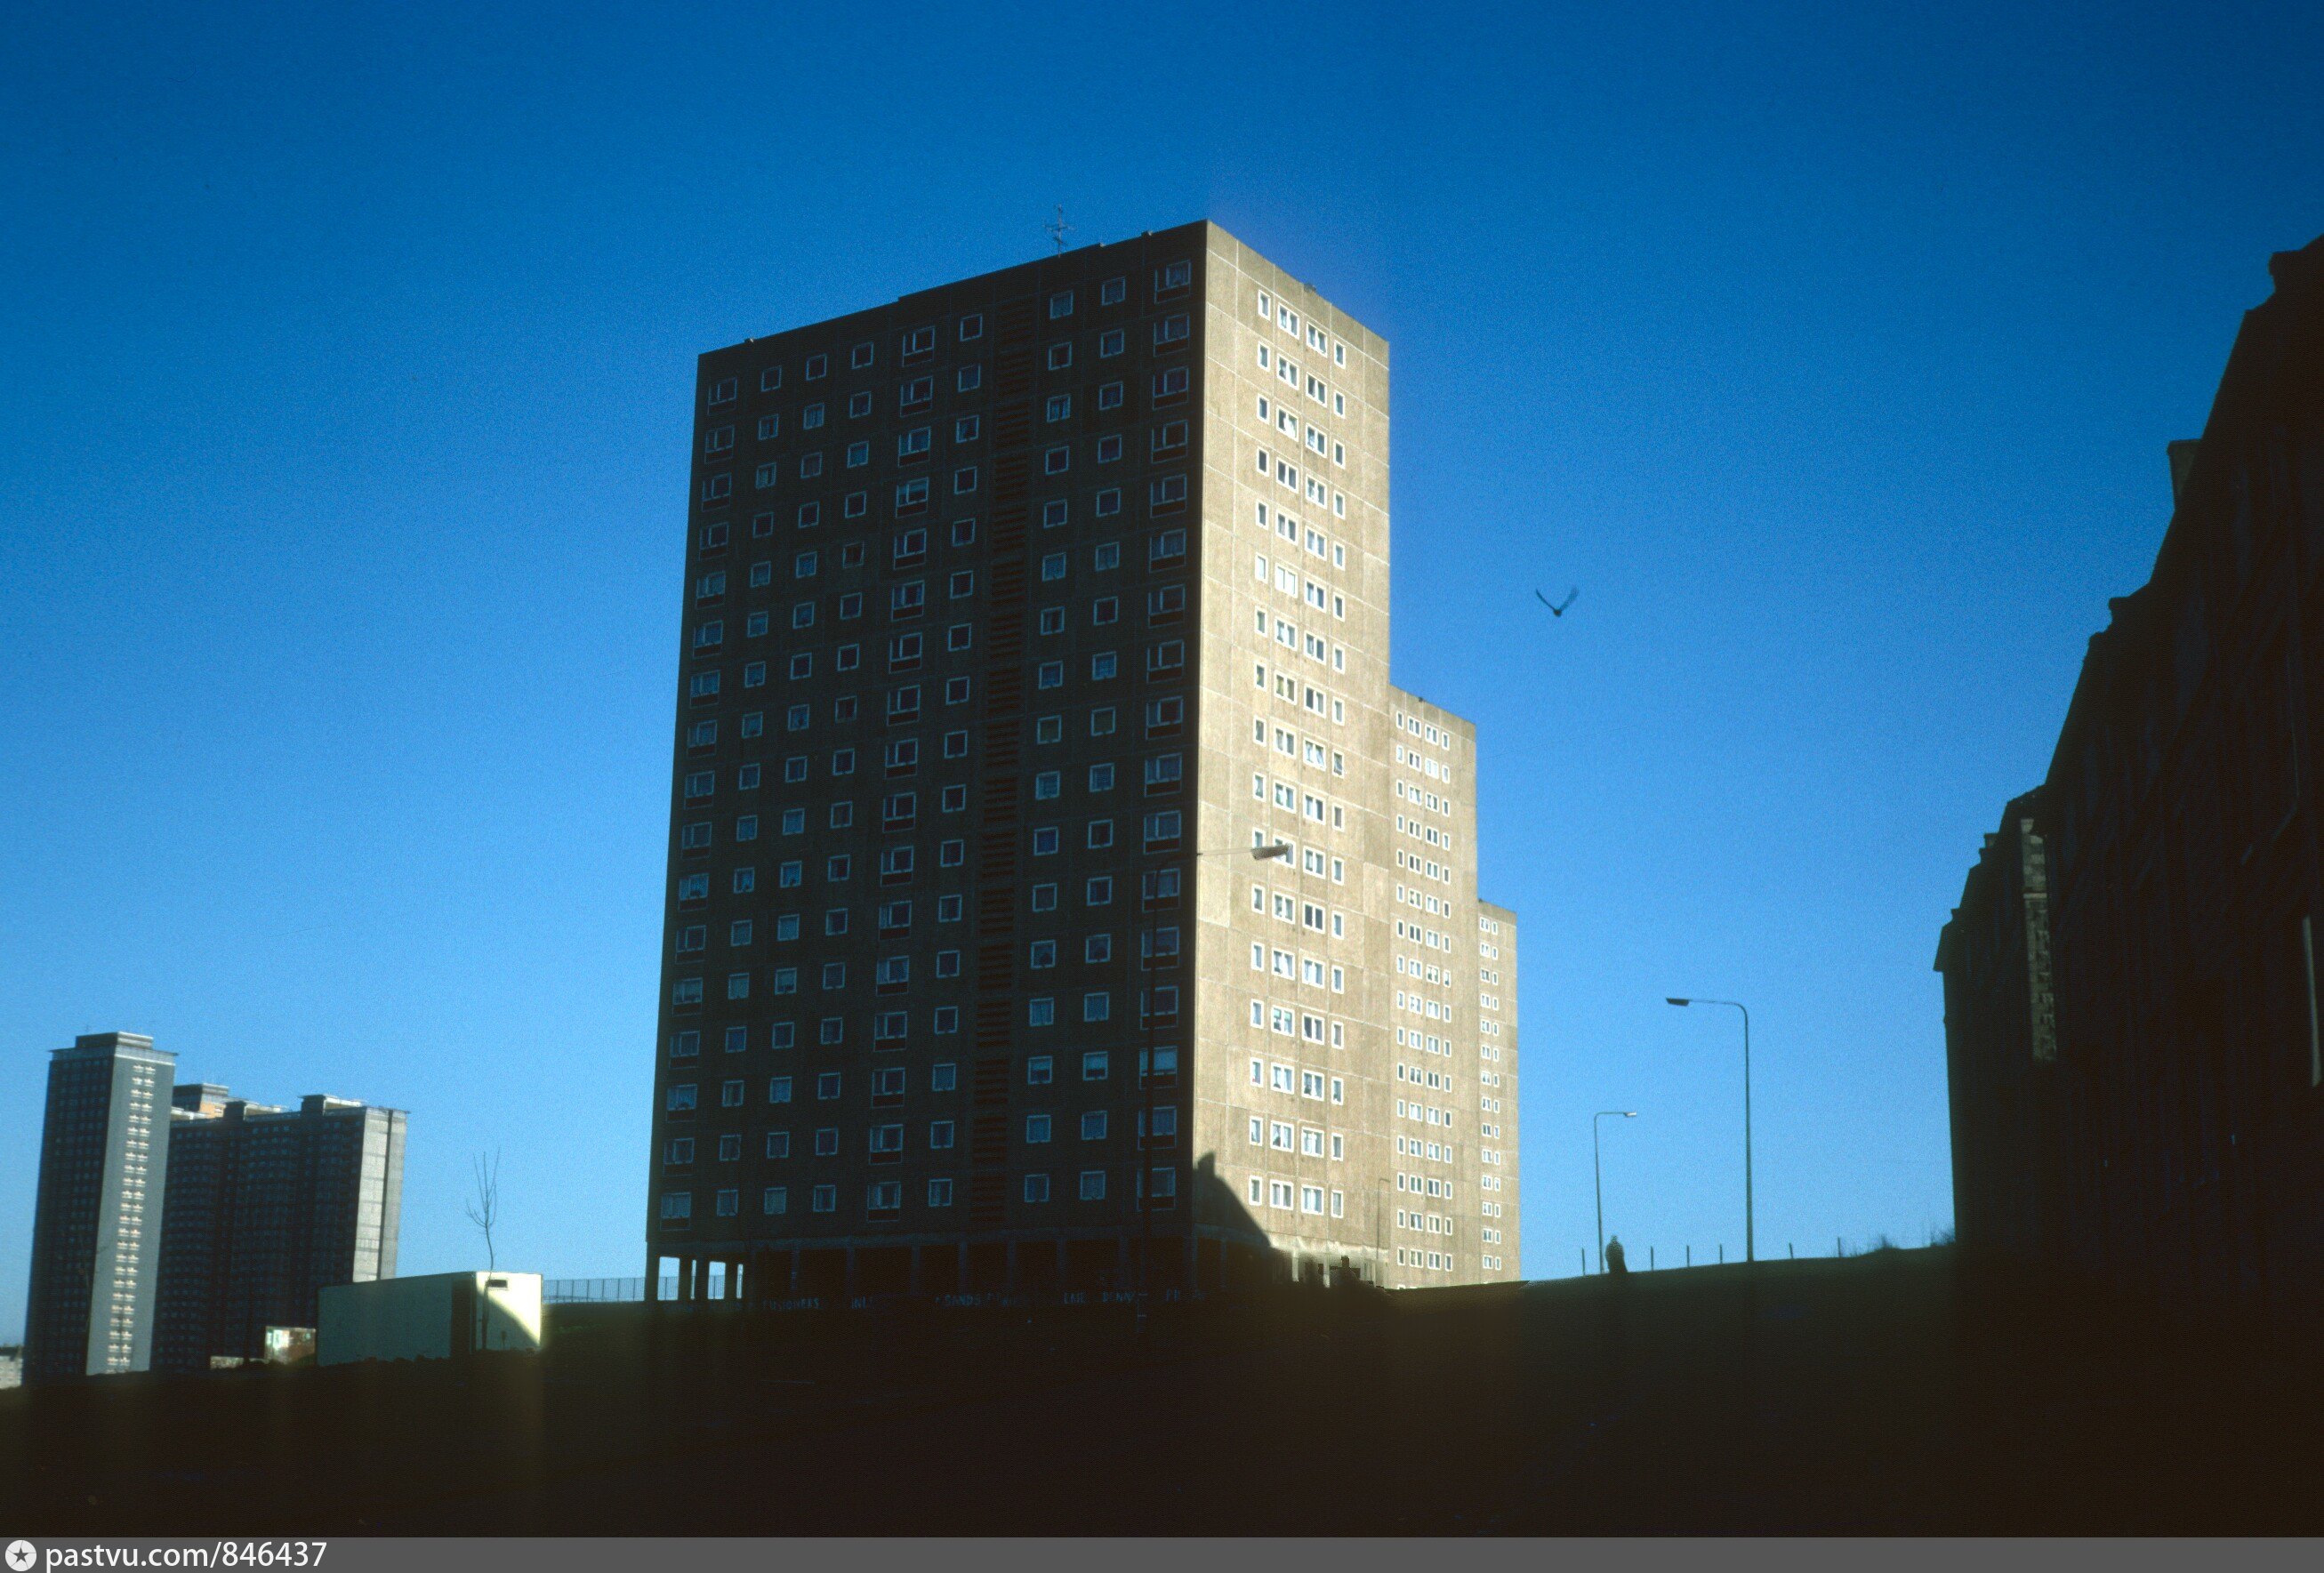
{"points": [[21, 1556]]}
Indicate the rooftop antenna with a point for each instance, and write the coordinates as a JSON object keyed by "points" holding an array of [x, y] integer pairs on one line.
{"points": [[1057, 229]]}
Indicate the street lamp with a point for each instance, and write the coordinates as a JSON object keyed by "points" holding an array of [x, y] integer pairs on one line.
{"points": [[1142, 1138], [1380, 1250], [1597, 1178], [1749, 1254]]}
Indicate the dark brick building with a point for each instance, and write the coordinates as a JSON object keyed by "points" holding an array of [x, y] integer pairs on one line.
{"points": [[2001, 1040], [2180, 820]]}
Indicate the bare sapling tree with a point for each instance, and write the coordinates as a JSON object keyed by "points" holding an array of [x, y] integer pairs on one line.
{"points": [[485, 1206]]}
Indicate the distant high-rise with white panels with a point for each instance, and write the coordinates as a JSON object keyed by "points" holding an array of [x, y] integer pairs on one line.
{"points": [[1021, 615], [96, 1220]]}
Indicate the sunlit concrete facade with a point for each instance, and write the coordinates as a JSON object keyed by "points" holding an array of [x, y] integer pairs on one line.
{"points": [[1019, 612]]}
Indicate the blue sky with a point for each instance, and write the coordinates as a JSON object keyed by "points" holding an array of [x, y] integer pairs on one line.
{"points": [[345, 358]]}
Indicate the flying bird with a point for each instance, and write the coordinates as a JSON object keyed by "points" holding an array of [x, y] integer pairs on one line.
{"points": [[1557, 609]]}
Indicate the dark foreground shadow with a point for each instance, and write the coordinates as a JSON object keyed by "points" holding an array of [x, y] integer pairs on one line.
{"points": [[1902, 1392]]}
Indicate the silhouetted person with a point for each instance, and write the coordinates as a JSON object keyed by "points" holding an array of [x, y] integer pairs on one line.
{"points": [[1616, 1267]]}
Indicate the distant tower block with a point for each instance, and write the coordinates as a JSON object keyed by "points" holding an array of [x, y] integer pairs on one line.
{"points": [[96, 1221]]}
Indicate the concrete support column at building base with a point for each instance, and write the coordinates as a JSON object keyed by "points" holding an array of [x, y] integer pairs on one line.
{"points": [[1078, 1267]]}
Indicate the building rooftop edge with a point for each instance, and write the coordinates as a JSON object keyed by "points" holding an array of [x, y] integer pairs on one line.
{"points": [[1204, 223], [1212, 230], [93, 1044]]}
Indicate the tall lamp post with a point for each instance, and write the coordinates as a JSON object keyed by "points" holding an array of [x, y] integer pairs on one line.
{"points": [[1379, 1249], [1749, 1254], [1142, 1138], [1596, 1176]]}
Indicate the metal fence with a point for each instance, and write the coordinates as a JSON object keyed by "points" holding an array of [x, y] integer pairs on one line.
{"points": [[593, 1291], [632, 1290], [1716, 1255]]}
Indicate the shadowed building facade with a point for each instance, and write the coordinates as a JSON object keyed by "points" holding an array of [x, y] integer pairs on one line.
{"points": [[266, 1207], [1018, 612], [2178, 821], [2001, 1042]]}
